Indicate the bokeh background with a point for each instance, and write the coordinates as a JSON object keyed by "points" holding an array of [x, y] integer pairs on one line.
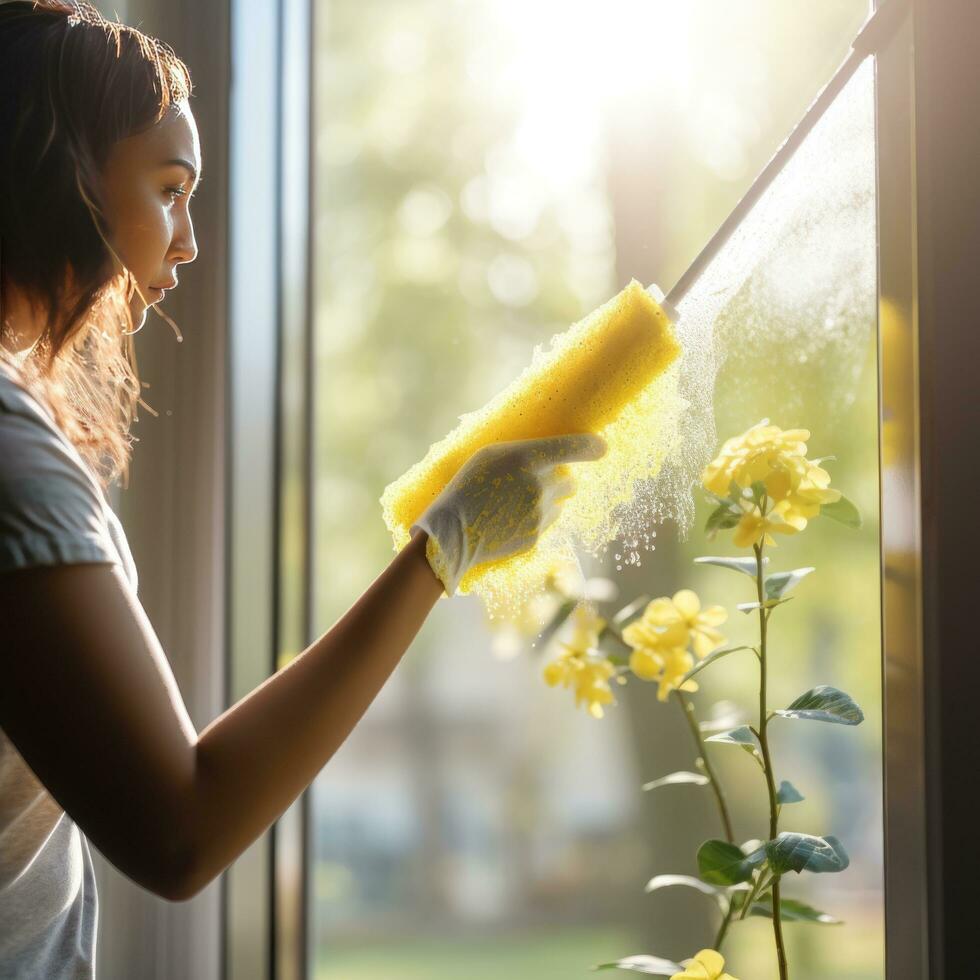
{"points": [[487, 172]]}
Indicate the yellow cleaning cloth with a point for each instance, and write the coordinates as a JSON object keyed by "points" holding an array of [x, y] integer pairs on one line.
{"points": [[614, 373]]}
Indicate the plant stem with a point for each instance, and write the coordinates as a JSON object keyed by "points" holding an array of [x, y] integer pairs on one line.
{"points": [[688, 709], [723, 928], [777, 925]]}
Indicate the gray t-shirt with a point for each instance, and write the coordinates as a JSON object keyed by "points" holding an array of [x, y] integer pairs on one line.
{"points": [[52, 511]]}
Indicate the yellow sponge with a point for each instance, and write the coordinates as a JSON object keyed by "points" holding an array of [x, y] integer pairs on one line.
{"points": [[609, 373]]}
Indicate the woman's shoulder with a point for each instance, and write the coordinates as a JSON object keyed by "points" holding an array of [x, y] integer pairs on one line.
{"points": [[37, 460], [25, 427]]}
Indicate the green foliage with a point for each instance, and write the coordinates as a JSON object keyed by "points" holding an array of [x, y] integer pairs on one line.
{"points": [[788, 793], [790, 909], [723, 517], [745, 880], [747, 607], [824, 703], [743, 736], [721, 863], [718, 893], [653, 965], [710, 659], [686, 881], [677, 779], [843, 511], [747, 566], [803, 852], [779, 583]]}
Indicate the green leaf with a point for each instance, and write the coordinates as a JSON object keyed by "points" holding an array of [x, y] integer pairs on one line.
{"points": [[791, 910], [747, 607], [688, 881], [843, 511], [721, 518], [747, 566], [824, 703], [779, 583], [720, 895], [721, 863], [677, 778], [710, 659], [758, 490], [741, 736], [803, 852], [644, 964], [788, 793]]}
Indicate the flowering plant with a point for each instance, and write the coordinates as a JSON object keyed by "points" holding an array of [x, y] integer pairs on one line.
{"points": [[762, 484]]}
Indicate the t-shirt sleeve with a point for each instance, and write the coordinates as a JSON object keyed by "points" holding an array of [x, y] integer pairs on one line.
{"points": [[50, 513]]}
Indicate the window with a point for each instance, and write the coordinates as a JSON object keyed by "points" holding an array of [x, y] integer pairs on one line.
{"points": [[480, 184]]}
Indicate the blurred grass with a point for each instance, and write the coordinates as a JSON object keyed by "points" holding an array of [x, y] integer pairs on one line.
{"points": [[561, 955], [570, 954]]}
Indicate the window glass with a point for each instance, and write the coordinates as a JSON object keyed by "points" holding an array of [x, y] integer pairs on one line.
{"points": [[485, 174]]}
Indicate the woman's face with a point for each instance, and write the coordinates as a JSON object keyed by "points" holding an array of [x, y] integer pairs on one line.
{"points": [[148, 191]]}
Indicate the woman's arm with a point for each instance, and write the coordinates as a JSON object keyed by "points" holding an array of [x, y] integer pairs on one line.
{"points": [[255, 759], [88, 699]]}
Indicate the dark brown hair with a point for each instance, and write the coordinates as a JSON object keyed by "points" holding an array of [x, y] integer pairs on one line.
{"points": [[72, 84]]}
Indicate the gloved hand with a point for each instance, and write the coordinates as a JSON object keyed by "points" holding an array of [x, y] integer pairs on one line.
{"points": [[500, 501]]}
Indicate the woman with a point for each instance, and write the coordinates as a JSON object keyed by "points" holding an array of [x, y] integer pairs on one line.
{"points": [[99, 159]]}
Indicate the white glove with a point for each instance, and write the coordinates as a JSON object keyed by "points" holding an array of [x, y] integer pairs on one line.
{"points": [[500, 501]]}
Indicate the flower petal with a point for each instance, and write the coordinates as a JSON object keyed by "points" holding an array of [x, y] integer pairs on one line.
{"points": [[687, 603], [661, 612], [713, 616], [705, 641], [712, 961]]}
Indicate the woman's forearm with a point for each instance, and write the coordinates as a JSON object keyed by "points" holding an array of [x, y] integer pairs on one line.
{"points": [[255, 759]]}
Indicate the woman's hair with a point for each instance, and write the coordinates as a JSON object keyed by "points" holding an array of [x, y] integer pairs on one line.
{"points": [[72, 84]]}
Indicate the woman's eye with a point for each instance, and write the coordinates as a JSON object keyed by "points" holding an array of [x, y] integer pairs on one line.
{"points": [[175, 191]]}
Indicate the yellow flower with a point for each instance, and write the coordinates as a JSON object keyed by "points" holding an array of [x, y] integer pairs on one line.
{"points": [[666, 666], [763, 452], [700, 623], [587, 624], [661, 625], [804, 501], [707, 965], [659, 639], [752, 526], [796, 485], [674, 622], [587, 674], [580, 666]]}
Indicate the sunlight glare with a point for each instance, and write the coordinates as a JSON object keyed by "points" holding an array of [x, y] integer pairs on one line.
{"points": [[575, 64]]}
